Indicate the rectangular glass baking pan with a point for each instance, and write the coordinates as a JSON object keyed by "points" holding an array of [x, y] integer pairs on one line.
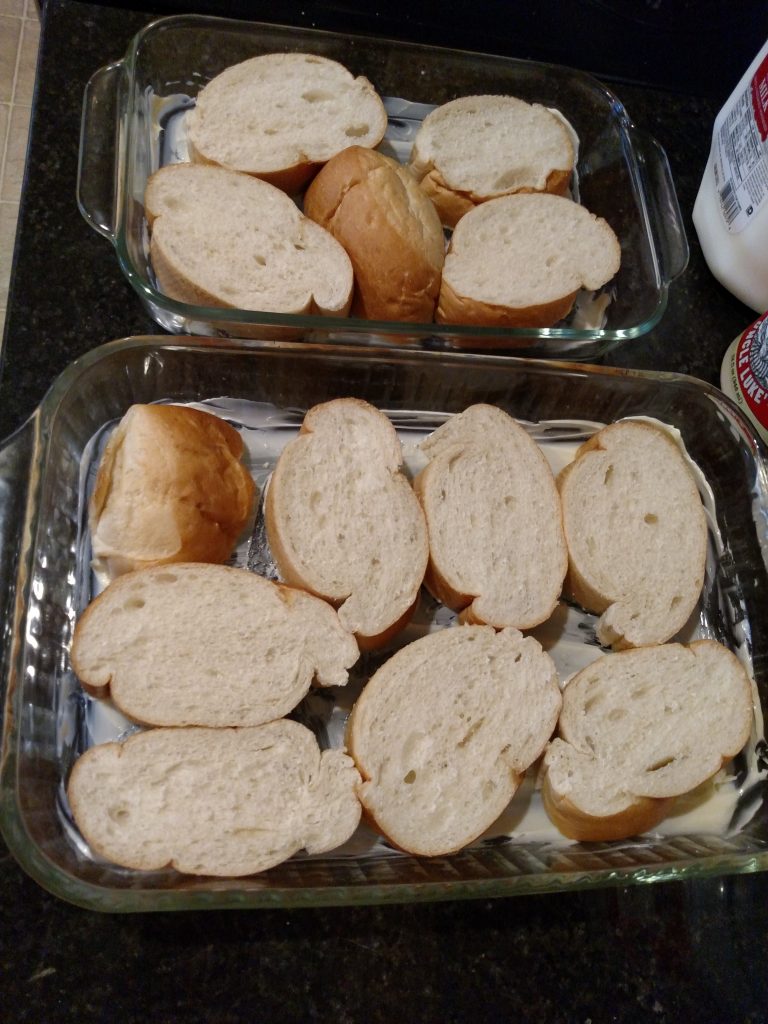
{"points": [[132, 112], [45, 581]]}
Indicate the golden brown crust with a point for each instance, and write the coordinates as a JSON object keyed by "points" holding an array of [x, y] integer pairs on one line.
{"points": [[643, 814], [289, 179], [390, 231], [459, 309]]}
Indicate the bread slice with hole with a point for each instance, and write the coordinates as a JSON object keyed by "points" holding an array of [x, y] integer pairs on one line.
{"points": [[343, 522], [520, 261], [639, 728], [476, 148], [444, 731], [280, 116], [209, 645], [636, 533], [496, 545], [170, 487], [390, 230], [224, 239], [223, 802]]}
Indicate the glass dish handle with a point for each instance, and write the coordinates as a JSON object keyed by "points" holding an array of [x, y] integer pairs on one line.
{"points": [[16, 481], [98, 160], [665, 218]]}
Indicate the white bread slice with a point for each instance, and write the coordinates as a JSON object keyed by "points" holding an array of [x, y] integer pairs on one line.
{"points": [[170, 487], [390, 230], [639, 728], [194, 644], [519, 261], [496, 543], [444, 731], [280, 116], [343, 522], [221, 802], [636, 533], [225, 239], [478, 147]]}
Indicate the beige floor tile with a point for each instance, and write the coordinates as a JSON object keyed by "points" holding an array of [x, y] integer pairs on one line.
{"points": [[5, 116], [2, 325], [31, 10], [10, 32], [9, 213], [15, 153], [25, 77], [14, 7]]}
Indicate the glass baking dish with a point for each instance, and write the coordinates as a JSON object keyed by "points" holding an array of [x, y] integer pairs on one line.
{"points": [[133, 110], [47, 467]]}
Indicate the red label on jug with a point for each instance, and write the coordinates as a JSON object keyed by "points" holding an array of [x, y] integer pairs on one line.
{"points": [[760, 98], [752, 368]]}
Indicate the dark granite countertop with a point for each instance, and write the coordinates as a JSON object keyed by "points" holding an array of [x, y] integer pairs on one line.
{"points": [[687, 951]]}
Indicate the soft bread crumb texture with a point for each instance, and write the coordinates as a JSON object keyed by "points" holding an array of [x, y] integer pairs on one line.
{"points": [[226, 802], [652, 723], [494, 520], [170, 487], [514, 254], [478, 147], [444, 731], [343, 521], [281, 111], [388, 227], [636, 533], [209, 645], [220, 238]]}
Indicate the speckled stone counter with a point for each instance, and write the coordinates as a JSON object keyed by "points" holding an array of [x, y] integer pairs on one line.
{"points": [[686, 951]]}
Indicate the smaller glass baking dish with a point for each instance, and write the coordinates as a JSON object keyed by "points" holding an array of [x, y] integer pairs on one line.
{"points": [[265, 388], [133, 107]]}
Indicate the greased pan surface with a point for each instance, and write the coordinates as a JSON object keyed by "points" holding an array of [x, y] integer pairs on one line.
{"points": [[45, 472]]}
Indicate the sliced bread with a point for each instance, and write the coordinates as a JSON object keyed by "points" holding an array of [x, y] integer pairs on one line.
{"points": [[636, 533], [210, 645], [639, 728], [496, 544], [219, 238], [280, 116], [343, 522], [390, 230], [170, 487], [223, 802], [444, 731], [478, 147], [519, 261]]}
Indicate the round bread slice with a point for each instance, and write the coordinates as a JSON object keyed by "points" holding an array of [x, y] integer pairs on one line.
{"points": [[496, 544], [223, 802], [478, 147], [208, 645], [170, 487], [390, 230], [519, 261], [223, 239], [281, 116], [639, 728], [343, 522], [636, 533], [444, 731]]}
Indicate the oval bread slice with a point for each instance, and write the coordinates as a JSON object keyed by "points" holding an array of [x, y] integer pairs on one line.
{"points": [[390, 230], [496, 543], [519, 261], [223, 802], [170, 487], [636, 533], [478, 147], [343, 522], [224, 239], [210, 645], [639, 728], [280, 116], [444, 731]]}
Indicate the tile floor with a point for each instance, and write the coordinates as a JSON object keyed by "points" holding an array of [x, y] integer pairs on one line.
{"points": [[19, 37]]}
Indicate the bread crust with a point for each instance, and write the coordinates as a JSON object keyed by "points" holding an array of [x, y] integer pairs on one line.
{"points": [[175, 466], [453, 308], [389, 229]]}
